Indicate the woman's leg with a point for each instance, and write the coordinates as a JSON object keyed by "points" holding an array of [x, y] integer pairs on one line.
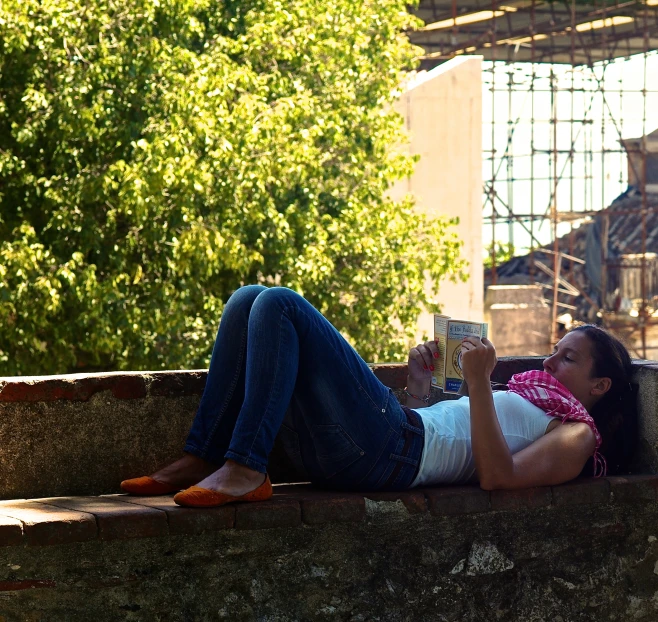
{"points": [[222, 397], [346, 418], [224, 392]]}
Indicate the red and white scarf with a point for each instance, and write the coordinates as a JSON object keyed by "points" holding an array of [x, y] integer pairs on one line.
{"points": [[545, 392]]}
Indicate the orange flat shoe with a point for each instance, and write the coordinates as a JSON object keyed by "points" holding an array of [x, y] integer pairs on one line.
{"points": [[147, 486], [197, 497]]}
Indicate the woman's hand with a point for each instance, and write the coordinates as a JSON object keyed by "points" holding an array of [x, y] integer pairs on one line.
{"points": [[421, 363], [478, 359]]}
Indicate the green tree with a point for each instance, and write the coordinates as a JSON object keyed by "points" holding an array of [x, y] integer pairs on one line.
{"points": [[154, 156], [504, 252]]}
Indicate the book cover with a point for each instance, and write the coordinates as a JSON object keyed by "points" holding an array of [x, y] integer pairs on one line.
{"points": [[448, 334]]}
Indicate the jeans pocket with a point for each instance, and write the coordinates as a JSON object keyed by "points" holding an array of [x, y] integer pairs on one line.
{"points": [[334, 449]]}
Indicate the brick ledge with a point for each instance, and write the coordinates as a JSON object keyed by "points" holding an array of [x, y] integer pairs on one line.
{"points": [[177, 383], [63, 520], [129, 385]]}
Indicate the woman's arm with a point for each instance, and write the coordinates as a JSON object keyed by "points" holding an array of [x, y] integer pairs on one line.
{"points": [[555, 458]]}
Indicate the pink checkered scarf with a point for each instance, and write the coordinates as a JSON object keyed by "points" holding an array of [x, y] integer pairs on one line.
{"points": [[545, 392]]}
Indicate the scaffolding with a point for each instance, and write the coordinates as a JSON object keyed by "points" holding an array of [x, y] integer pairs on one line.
{"points": [[571, 99]]}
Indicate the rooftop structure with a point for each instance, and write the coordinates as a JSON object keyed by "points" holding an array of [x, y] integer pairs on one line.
{"points": [[634, 147], [571, 32]]}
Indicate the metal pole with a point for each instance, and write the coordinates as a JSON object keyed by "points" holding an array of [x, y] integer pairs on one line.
{"points": [[492, 188], [532, 138], [557, 260], [643, 315]]}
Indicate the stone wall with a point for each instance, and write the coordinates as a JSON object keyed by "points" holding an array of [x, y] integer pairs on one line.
{"points": [[585, 550]]}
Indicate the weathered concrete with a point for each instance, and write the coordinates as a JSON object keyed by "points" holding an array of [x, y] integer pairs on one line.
{"points": [[647, 379], [518, 318], [78, 441], [593, 561]]}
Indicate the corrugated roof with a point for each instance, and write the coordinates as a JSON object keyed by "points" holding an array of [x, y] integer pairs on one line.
{"points": [[503, 30]]}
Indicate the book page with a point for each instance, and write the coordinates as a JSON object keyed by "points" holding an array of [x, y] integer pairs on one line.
{"points": [[440, 336]]}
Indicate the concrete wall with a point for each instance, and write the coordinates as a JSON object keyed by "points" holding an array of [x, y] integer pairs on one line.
{"points": [[442, 109], [519, 319], [583, 552]]}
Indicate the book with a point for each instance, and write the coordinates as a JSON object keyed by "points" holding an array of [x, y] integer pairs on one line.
{"points": [[448, 334]]}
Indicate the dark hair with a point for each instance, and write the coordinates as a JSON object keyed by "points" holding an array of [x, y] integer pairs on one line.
{"points": [[615, 414]]}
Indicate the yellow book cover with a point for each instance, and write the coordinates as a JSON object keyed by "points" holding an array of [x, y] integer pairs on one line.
{"points": [[448, 334]]}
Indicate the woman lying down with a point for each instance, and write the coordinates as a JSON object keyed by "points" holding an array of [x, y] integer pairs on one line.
{"points": [[279, 367]]}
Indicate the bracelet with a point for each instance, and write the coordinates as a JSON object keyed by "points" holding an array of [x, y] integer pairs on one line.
{"points": [[425, 398]]}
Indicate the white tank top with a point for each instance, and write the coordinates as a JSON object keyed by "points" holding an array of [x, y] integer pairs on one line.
{"points": [[447, 457]]}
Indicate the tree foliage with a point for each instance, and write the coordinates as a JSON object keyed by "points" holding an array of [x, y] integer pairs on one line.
{"points": [[154, 156], [504, 252]]}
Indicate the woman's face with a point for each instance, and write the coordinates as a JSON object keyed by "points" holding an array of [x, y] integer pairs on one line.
{"points": [[572, 364]]}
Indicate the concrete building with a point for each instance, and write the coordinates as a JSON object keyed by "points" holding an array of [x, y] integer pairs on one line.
{"points": [[634, 148], [442, 109]]}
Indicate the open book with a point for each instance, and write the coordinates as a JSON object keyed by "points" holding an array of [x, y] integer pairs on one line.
{"points": [[448, 334]]}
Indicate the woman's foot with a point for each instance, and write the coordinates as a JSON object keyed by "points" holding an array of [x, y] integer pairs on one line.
{"points": [[233, 479], [180, 474], [233, 482], [186, 472]]}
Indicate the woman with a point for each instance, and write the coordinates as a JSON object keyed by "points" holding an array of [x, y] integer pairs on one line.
{"points": [[279, 367]]}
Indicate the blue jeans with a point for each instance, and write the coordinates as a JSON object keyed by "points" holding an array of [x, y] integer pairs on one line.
{"points": [[278, 366]]}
